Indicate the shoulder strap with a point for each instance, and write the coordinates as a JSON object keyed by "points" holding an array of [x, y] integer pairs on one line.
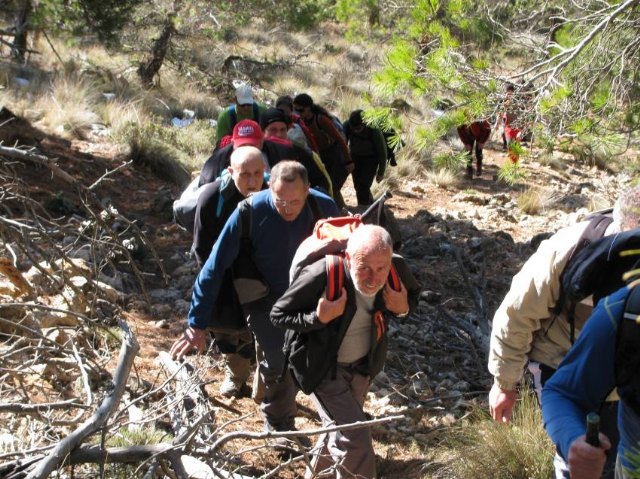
{"points": [[394, 279], [594, 231], [245, 221], [220, 204], [256, 112], [334, 265], [233, 116]]}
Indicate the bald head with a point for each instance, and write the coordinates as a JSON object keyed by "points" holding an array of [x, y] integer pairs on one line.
{"points": [[369, 251], [247, 169]]}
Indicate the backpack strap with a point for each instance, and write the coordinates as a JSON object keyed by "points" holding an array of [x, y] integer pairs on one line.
{"points": [[256, 112], [334, 266], [594, 231], [316, 212], [627, 358], [233, 116]]}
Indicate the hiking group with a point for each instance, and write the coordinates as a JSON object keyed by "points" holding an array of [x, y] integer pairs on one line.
{"points": [[306, 294]]}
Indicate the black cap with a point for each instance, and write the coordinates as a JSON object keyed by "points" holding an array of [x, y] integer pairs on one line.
{"points": [[355, 119], [272, 115]]}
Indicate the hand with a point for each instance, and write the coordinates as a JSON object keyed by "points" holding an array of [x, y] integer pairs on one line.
{"points": [[396, 302], [586, 461], [192, 338], [349, 167], [379, 178], [501, 402], [327, 310]]}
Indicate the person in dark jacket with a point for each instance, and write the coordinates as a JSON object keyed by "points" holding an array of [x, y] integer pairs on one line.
{"points": [[215, 204], [280, 218], [353, 349], [369, 154]]}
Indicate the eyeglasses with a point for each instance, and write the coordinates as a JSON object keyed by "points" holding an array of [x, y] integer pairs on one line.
{"points": [[284, 204], [245, 105]]}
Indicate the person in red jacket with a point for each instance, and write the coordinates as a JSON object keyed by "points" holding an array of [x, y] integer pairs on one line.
{"points": [[477, 133]]}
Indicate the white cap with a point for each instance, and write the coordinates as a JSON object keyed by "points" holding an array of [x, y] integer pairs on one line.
{"points": [[244, 95]]}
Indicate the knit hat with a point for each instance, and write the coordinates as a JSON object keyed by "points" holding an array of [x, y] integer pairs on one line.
{"points": [[273, 115], [247, 132], [244, 94]]}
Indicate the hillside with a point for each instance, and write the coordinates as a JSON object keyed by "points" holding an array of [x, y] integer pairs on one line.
{"points": [[101, 210]]}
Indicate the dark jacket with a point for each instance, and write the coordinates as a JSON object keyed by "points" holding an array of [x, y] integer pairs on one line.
{"points": [[275, 152], [368, 144], [315, 352]]}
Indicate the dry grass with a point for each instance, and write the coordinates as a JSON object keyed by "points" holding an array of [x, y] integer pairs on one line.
{"points": [[444, 178], [535, 200], [484, 449]]}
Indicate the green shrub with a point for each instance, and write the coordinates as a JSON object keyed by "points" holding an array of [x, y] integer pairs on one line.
{"points": [[452, 161], [511, 173]]}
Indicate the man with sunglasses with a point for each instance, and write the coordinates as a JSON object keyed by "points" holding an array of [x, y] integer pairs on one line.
{"points": [[280, 219], [245, 108]]}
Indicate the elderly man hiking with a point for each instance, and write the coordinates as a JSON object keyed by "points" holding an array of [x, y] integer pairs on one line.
{"points": [[266, 230], [346, 342]]}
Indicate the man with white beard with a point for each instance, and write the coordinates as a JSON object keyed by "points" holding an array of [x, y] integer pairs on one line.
{"points": [[346, 341]]}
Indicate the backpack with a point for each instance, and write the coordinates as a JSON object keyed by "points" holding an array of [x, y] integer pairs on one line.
{"points": [[597, 269], [627, 356], [336, 123], [233, 115]]}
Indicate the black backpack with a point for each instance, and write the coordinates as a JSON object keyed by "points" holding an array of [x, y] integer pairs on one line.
{"points": [[627, 354], [598, 268]]}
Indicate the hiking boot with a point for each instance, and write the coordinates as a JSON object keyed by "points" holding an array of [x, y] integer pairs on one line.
{"points": [[469, 174], [231, 389]]}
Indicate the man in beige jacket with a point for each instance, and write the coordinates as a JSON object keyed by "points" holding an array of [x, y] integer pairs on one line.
{"points": [[525, 327]]}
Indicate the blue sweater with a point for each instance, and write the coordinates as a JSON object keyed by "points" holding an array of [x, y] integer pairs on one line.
{"points": [[585, 378], [274, 242]]}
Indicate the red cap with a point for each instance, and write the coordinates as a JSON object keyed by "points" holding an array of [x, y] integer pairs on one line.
{"points": [[247, 132]]}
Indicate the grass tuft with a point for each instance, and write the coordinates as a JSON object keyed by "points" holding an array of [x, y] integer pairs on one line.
{"points": [[485, 449]]}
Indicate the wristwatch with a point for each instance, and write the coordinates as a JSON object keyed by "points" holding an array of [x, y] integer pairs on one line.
{"points": [[403, 315]]}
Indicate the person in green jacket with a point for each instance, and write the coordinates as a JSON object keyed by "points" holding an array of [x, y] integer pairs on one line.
{"points": [[245, 108]]}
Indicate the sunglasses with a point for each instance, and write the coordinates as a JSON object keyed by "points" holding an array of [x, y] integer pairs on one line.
{"points": [[245, 105]]}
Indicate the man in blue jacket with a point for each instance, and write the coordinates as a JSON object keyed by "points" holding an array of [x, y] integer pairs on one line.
{"points": [[281, 218], [593, 367]]}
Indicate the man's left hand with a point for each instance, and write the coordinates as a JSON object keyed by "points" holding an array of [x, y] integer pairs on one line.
{"points": [[396, 301]]}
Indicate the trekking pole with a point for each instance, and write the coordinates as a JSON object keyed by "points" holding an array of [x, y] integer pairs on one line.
{"points": [[593, 427], [376, 205]]}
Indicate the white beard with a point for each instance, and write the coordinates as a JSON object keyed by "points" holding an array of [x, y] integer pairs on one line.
{"points": [[357, 287]]}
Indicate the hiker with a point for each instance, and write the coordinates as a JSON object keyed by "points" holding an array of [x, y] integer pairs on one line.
{"points": [[354, 350], [248, 132], [332, 145], [605, 356], [265, 230], [245, 108], [476, 133], [526, 329], [368, 150], [215, 204], [512, 122], [285, 103], [276, 126]]}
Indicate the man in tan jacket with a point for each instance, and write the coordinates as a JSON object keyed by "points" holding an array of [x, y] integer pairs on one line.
{"points": [[525, 328]]}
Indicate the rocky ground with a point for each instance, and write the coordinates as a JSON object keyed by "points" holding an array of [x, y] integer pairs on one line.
{"points": [[464, 244]]}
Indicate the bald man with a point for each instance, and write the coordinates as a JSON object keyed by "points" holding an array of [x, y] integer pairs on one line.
{"points": [[352, 350], [216, 203]]}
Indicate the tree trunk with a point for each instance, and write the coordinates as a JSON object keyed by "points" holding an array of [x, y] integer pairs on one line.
{"points": [[19, 51], [150, 68]]}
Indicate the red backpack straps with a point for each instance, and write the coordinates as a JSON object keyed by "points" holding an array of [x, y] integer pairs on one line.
{"points": [[335, 276], [393, 279]]}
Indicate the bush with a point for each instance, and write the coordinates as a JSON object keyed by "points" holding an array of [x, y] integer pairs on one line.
{"points": [[511, 173]]}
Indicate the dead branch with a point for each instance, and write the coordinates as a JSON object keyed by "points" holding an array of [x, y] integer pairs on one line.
{"points": [[108, 173], [29, 155], [295, 434], [18, 408], [128, 352]]}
